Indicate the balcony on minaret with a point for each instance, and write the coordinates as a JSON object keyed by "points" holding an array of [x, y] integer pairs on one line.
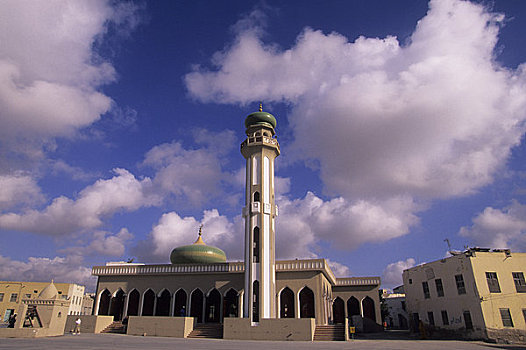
{"points": [[260, 140]]}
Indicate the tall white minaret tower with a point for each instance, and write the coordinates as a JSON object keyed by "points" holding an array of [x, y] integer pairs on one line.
{"points": [[260, 149]]}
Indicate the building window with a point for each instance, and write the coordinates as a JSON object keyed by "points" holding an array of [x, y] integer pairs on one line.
{"points": [[520, 284], [506, 317], [1, 297], [403, 305], [28, 296], [14, 297], [440, 287], [445, 319], [524, 314], [256, 196], [431, 318], [410, 281], [467, 320], [493, 282], [461, 288], [425, 287], [255, 245]]}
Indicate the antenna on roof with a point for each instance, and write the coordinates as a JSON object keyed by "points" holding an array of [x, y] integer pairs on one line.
{"points": [[449, 250]]}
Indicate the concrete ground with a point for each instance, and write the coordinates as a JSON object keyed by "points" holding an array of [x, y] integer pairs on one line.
{"points": [[127, 342]]}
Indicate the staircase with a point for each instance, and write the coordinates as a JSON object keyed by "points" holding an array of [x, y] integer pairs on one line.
{"points": [[208, 330], [116, 327], [329, 332]]}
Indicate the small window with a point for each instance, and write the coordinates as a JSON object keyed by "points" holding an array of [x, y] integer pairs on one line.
{"points": [[431, 318], [35, 291], [445, 318], [256, 196], [28, 296], [461, 288], [255, 245], [520, 284], [524, 314], [403, 305], [493, 282], [505, 315], [467, 320], [1, 297], [14, 297], [410, 281], [440, 287], [425, 287], [59, 292]]}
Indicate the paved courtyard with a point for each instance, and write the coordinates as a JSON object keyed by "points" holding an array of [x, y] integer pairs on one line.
{"points": [[117, 342]]}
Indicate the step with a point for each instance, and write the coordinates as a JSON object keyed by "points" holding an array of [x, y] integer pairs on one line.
{"points": [[207, 331]]}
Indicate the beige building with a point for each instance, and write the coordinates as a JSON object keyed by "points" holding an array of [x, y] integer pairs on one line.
{"points": [[200, 283], [475, 294], [12, 293]]}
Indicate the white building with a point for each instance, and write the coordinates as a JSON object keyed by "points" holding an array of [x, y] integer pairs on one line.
{"points": [[477, 294]]}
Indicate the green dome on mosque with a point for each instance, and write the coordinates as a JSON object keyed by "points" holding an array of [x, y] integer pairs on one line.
{"points": [[260, 118], [197, 253]]}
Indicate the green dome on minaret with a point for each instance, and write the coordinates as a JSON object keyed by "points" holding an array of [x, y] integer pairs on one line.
{"points": [[197, 253], [260, 118]]}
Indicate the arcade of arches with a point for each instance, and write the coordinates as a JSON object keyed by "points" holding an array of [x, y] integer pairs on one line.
{"points": [[212, 307]]}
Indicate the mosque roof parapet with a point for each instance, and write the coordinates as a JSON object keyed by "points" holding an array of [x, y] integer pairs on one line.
{"points": [[232, 267]]}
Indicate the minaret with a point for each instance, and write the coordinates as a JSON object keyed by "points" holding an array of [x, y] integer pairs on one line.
{"points": [[260, 149]]}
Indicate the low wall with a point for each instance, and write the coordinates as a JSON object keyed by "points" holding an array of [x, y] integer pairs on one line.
{"points": [[89, 323], [29, 332], [270, 329], [178, 327]]}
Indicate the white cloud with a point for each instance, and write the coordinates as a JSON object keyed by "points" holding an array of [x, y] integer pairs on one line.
{"points": [[59, 269], [392, 275], [391, 127], [18, 188], [338, 269], [49, 71], [102, 243], [123, 192], [499, 228], [173, 231], [198, 174], [343, 223]]}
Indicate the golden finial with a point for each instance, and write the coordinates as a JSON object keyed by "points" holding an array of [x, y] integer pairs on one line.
{"points": [[199, 238], [261, 107]]}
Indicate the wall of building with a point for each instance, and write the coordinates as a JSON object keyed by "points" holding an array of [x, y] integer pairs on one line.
{"points": [[89, 323], [507, 299], [484, 306], [31, 290], [270, 329], [455, 305], [178, 327]]}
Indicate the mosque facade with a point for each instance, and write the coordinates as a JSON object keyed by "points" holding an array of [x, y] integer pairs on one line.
{"points": [[201, 283]]}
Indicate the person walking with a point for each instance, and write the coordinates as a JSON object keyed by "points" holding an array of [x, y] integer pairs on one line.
{"points": [[77, 326]]}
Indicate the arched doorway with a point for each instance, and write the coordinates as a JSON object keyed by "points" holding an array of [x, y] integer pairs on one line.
{"points": [[306, 303], [104, 303], [286, 302], [163, 304], [148, 303], [196, 305], [180, 303], [213, 304], [353, 307], [368, 309], [338, 311], [230, 304], [117, 305], [133, 303]]}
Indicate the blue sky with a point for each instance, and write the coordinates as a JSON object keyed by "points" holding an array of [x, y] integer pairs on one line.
{"points": [[401, 124]]}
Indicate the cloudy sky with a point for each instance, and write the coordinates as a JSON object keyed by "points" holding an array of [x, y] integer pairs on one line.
{"points": [[401, 125]]}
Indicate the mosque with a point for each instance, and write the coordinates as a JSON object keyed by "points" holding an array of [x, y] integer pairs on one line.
{"points": [[202, 284]]}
